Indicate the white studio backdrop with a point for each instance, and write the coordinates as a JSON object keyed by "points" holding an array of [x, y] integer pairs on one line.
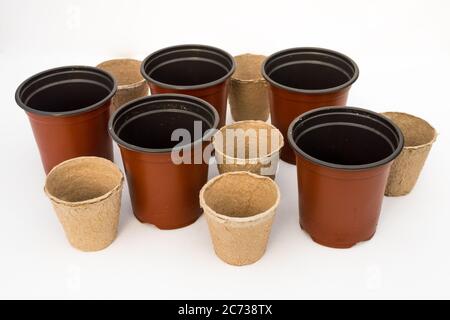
{"points": [[403, 51]]}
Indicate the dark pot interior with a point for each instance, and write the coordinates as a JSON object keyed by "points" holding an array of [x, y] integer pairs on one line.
{"points": [[310, 69], [347, 137], [147, 124], [66, 90], [188, 66]]}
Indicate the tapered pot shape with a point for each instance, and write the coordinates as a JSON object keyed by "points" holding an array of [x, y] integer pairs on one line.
{"points": [[240, 208], [249, 145], [68, 109], [419, 138], [248, 89], [343, 159], [86, 194], [196, 70], [302, 79], [165, 174], [130, 83]]}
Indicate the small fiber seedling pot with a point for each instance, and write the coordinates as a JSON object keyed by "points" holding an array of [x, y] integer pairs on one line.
{"points": [[68, 109], [196, 70], [248, 90], [343, 155], [419, 138], [249, 145], [240, 209], [86, 193], [164, 187], [302, 79], [130, 83]]}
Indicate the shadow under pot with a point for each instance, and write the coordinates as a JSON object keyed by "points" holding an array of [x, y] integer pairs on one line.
{"points": [[196, 70], [68, 108], [162, 139], [302, 79], [343, 160]]}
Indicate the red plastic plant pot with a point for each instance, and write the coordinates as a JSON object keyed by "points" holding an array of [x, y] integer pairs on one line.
{"points": [[302, 79], [196, 70], [343, 160], [68, 108], [164, 193]]}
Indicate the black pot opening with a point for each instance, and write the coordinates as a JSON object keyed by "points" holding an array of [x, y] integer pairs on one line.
{"points": [[147, 124], [348, 138], [66, 90], [188, 66], [310, 70]]}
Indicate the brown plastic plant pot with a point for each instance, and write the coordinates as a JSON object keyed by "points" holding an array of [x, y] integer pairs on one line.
{"points": [[240, 208], [419, 138], [164, 192], [85, 193], [68, 108], [131, 84], [302, 79], [343, 159], [196, 70], [250, 145], [248, 89]]}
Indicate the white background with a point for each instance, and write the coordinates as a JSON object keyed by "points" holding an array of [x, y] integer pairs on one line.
{"points": [[403, 51]]}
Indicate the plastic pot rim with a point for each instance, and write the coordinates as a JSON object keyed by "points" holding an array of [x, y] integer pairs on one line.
{"points": [[224, 218], [188, 87], [313, 50], [249, 159], [314, 160], [91, 200], [162, 97], [416, 146], [52, 71]]}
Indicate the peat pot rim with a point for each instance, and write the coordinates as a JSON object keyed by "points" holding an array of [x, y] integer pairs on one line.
{"points": [[129, 85], [155, 98], [416, 146], [104, 196], [225, 218], [58, 71], [259, 79], [194, 47], [377, 117], [270, 154], [313, 50]]}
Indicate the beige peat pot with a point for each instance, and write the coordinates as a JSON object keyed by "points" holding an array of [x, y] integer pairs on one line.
{"points": [[419, 136], [130, 83], [249, 145], [240, 209], [248, 90], [86, 193]]}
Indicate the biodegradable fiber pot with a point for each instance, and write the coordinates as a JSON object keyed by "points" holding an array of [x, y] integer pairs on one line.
{"points": [[249, 145], [301, 79], [343, 160], [248, 89], [85, 193], [68, 109], [419, 137], [197, 70], [131, 84], [240, 208], [164, 192]]}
